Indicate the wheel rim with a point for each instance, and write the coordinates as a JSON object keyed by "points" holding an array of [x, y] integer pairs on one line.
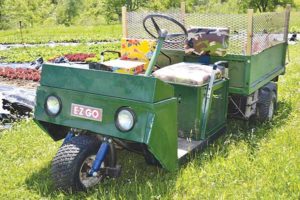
{"points": [[271, 110], [85, 179]]}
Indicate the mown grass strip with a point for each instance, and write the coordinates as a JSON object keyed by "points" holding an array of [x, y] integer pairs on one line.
{"points": [[42, 34]]}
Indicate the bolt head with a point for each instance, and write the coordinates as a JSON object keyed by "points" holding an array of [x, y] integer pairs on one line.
{"points": [[95, 173]]}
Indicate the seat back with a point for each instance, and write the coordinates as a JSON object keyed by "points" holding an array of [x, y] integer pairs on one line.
{"points": [[207, 41], [137, 49]]}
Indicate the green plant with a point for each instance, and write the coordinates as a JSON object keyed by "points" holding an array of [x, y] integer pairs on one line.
{"points": [[20, 55]]}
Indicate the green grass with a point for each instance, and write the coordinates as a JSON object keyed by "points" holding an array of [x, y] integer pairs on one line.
{"points": [[20, 55], [295, 22], [61, 34], [259, 163]]}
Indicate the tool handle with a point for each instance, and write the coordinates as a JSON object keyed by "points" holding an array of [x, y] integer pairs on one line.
{"points": [[108, 51]]}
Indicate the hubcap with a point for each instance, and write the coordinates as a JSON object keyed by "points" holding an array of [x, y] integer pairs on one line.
{"points": [[85, 179]]}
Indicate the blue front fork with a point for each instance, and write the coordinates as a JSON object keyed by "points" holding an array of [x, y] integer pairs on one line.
{"points": [[101, 154], [69, 136]]}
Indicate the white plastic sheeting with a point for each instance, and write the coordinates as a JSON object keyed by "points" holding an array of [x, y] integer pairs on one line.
{"points": [[26, 97]]}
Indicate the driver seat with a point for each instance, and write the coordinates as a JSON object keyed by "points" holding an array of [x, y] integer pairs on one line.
{"points": [[191, 74], [201, 41]]}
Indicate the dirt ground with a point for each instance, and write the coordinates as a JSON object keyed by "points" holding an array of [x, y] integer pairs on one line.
{"points": [[28, 84]]}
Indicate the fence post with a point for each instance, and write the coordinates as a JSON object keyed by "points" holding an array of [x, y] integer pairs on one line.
{"points": [[249, 32], [286, 22], [182, 10], [124, 22]]}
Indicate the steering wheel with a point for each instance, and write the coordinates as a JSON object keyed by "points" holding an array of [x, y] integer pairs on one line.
{"points": [[158, 25]]}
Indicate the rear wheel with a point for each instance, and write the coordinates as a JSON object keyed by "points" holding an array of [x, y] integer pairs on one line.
{"points": [[267, 104], [71, 165]]}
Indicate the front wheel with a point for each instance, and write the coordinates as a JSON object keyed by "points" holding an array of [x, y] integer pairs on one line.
{"points": [[71, 165]]}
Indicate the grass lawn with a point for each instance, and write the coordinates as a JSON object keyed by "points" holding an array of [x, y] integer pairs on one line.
{"points": [[259, 163], [61, 34], [295, 22]]}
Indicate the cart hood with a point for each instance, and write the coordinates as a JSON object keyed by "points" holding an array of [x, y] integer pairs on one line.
{"points": [[80, 78]]}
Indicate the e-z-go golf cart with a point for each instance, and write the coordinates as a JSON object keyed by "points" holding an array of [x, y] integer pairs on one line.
{"points": [[164, 97]]}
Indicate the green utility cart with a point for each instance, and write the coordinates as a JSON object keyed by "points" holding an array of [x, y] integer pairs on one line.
{"points": [[165, 97]]}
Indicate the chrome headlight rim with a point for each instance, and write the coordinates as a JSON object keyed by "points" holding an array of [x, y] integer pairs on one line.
{"points": [[117, 124], [49, 113]]}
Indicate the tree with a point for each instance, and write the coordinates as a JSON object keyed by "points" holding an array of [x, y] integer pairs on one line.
{"points": [[2, 16], [162, 5], [112, 8], [28, 11], [91, 13], [268, 5], [67, 10]]}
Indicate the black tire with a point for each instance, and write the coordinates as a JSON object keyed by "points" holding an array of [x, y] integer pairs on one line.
{"points": [[150, 159], [266, 105], [68, 163]]}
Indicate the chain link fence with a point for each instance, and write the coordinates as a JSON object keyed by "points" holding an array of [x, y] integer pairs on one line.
{"points": [[237, 24], [136, 29], [268, 28]]}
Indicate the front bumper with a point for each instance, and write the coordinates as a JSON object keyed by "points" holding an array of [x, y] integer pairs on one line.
{"points": [[156, 123]]}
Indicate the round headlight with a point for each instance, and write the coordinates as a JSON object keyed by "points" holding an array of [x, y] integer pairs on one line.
{"points": [[125, 119], [53, 105]]}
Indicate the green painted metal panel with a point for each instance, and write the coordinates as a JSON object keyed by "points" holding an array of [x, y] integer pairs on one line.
{"points": [[266, 65], [163, 138], [265, 79], [240, 91], [190, 109], [176, 57], [267, 62], [108, 104], [218, 109], [139, 88], [237, 72]]}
